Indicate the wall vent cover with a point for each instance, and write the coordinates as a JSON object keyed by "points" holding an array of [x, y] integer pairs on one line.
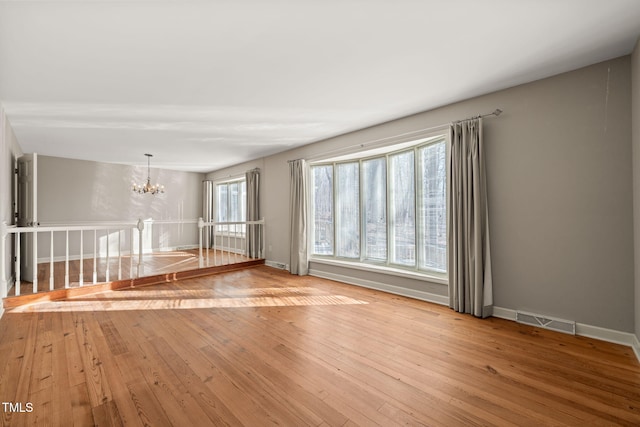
{"points": [[546, 322], [275, 264]]}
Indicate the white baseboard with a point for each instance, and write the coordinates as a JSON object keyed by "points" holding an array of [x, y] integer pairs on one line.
{"points": [[504, 313], [397, 290], [589, 331], [6, 286], [636, 346], [604, 334]]}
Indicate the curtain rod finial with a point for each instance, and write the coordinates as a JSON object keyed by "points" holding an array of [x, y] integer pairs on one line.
{"points": [[497, 112]]}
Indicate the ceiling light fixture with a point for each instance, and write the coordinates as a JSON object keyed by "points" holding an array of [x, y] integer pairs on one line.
{"points": [[147, 187]]}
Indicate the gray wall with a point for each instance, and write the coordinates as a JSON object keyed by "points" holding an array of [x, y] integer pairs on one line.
{"points": [[635, 110], [560, 193], [79, 191], [9, 151], [560, 182]]}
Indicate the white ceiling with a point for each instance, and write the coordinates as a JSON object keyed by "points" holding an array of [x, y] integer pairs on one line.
{"points": [[207, 84]]}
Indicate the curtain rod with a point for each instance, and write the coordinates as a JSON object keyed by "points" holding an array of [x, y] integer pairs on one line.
{"points": [[495, 112]]}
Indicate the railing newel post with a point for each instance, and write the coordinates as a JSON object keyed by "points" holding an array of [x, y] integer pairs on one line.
{"points": [[263, 248], [81, 273], [200, 231], [34, 244], [51, 275], [66, 261], [18, 264]]}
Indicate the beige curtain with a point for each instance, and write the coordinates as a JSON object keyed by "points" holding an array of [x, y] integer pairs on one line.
{"points": [[298, 261], [470, 283], [254, 235], [207, 212]]}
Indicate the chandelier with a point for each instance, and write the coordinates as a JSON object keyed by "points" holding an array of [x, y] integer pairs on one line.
{"points": [[147, 187]]}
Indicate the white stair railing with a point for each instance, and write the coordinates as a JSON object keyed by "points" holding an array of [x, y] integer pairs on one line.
{"points": [[99, 231], [229, 241]]}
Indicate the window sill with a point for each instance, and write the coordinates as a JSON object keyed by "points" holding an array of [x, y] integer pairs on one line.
{"points": [[417, 275]]}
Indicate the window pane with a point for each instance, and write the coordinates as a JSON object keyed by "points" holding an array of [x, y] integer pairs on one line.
{"points": [[433, 203], [234, 214], [221, 203], [322, 210], [242, 209], [348, 210], [374, 194], [402, 198]]}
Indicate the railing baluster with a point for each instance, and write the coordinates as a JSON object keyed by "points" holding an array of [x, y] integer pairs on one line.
{"points": [[119, 255], [263, 242], [66, 262], [130, 253], [246, 240], [107, 270], [95, 266], [208, 243], [140, 229], [35, 262], [51, 262], [200, 231], [215, 249], [81, 275], [17, 285]]}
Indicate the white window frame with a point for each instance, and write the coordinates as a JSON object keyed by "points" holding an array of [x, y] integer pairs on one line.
{"points": [[386, 266], [239, 231]]}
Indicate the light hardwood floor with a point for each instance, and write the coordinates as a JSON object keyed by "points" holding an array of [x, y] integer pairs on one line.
{"points": [[260, 347]]}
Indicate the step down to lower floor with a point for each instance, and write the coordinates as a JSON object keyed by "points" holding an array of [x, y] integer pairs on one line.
{"points": [[61, 294]]}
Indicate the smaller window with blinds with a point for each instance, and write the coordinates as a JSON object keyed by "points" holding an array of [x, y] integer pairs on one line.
{"points": [[231, 206]]}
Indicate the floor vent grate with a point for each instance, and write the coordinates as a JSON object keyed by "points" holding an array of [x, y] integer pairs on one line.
{"points": [[559, 325]]}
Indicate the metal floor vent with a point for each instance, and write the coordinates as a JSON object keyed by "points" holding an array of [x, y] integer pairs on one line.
{"points": [[560, 325]]}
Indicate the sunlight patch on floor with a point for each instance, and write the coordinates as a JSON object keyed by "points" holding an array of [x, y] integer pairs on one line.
{"points": [[107, 304], [207, 293]]}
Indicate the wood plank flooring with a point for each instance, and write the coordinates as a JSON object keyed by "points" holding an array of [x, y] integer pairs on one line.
{"points": [[261, 347]]}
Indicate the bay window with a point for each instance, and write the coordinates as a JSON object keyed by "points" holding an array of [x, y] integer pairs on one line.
{"points": [[386, 209]]}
